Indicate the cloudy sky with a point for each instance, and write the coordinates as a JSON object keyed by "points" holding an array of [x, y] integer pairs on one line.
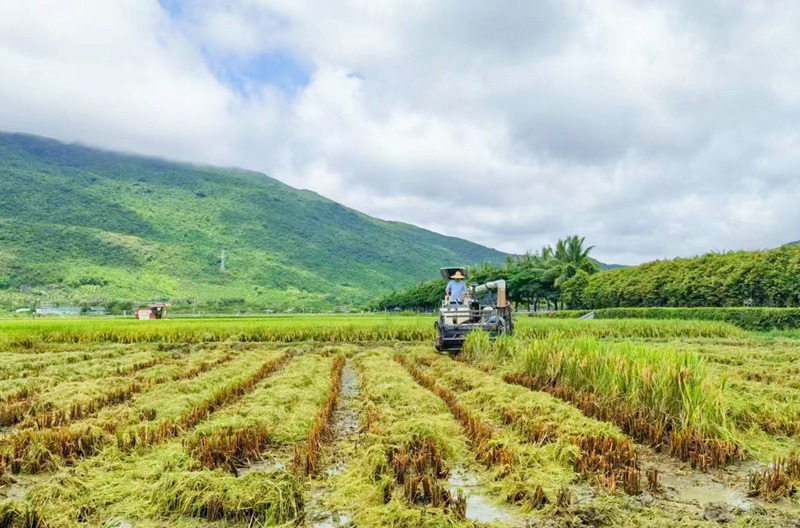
{"points": [[655, 129]]}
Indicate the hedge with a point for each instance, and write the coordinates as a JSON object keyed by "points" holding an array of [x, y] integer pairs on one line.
{"points": [[737, 279], [757, 319]]}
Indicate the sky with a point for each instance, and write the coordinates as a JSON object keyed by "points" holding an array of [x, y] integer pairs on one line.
{"points": [[654, 129]]}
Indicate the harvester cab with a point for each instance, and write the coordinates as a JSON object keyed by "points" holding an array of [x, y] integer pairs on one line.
{"points": [[485, 307]]}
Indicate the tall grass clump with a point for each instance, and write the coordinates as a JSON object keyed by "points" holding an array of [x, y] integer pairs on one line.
{"points": [[480, 349], [660, 395]]}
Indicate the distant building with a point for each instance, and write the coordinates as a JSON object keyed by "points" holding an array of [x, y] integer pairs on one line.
{"points": [[54, 309]]}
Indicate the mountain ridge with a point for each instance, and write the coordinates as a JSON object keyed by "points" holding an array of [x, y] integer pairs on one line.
{"points": [[80, 224]]}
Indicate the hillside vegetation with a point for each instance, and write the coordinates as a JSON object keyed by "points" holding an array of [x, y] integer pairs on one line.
{"points": [[83, 225], [741, 278]]}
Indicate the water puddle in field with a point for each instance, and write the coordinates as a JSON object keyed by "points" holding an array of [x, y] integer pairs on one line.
{"points": [[346, 429], [718, 492], [16, 491], [269, 464], [480, 508]]}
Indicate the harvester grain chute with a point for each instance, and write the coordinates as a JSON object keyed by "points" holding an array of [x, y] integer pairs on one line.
{"points": [[456, 320]]}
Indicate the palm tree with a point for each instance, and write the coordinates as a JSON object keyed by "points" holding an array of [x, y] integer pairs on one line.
{"points": [[571, 257]]}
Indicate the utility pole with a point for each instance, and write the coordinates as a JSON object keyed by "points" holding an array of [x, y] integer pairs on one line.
{"points": [[222, 262]]}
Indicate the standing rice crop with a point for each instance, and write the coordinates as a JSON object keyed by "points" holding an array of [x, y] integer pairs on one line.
{"points": [[662, 396]]}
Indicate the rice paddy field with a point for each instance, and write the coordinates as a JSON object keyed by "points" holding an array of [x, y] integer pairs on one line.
{"points": [[325, 421]]}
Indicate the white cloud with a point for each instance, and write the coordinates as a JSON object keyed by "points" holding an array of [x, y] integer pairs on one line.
{"points": [[655, 129]]}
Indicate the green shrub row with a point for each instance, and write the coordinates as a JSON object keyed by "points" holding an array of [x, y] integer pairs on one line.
{"points": [[757, 319], [737, 279]]}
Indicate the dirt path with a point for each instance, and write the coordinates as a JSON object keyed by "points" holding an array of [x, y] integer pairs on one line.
{"points": [[346, 431]]}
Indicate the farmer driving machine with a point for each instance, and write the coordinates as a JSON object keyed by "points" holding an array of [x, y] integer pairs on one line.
{"points": [[484, 307]]}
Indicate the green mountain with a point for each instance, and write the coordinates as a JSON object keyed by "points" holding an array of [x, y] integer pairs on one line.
{"points": [[79, 224], [602, 266]]}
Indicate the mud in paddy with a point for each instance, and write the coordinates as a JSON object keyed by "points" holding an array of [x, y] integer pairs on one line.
{"points": [[346, 430]]}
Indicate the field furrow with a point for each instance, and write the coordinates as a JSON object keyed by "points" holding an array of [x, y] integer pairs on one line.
{"points": [[306, 456], [151, 416]]}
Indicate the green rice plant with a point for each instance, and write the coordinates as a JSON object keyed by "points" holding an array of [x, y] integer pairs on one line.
{"points": [[265, 329], [480, 349]]}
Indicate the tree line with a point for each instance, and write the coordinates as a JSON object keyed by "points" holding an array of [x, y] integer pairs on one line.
{"points": [[740, 278], [535, 279], [564, 276]]}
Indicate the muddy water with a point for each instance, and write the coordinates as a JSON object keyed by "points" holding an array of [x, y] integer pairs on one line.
{"points": [[346, 430], [480, 508], [718, 494], [268, 464]]}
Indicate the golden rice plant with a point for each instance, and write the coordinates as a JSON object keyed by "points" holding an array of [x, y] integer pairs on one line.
{"points": [[663, 397]]}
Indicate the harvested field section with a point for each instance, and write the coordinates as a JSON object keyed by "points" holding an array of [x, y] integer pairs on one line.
{"points": [[410, 444], [19, 395], [72, 400], [163, 413], [162, 486], [534, 428], [238, 433], [30, 364], [153, 415], [276, 415]]}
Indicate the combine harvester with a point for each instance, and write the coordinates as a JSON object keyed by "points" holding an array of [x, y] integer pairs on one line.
{"points": [[457, 320]]}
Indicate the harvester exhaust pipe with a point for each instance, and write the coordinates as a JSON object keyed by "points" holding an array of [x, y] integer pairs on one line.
{"points": [[500, 286]]}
